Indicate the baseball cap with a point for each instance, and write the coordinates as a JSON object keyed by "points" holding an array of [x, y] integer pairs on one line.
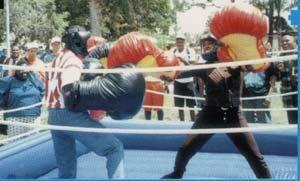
{"points": [[32, 45], [55, 39], [180, 36]]}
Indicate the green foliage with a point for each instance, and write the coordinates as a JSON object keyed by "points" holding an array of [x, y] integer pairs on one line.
{"points": [[122, 16], [118, 17], [33, 20], [271, 7], [78, 10]]}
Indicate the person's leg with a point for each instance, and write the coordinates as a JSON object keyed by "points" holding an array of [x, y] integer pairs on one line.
{"points": [[148, 114], [158, 100], [249, 115], [189, 148], [148, 101], [289, 102], [160, 114], [246, 144], [292, 117], [191, 103], [192, 115], [65, 150], [178, 102], [102, 144], [65, 154], [181, 114], [263, 116]]}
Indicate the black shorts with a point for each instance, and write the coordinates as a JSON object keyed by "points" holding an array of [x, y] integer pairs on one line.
{"points": [[184, 89]]}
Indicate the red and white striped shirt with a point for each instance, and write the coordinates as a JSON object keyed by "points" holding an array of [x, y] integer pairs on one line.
{"points": [[56, 80]]}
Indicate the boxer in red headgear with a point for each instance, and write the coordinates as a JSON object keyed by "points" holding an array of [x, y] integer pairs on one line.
{"points": [[241, 27], [222, 101]]}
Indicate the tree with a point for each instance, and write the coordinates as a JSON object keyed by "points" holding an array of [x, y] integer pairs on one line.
{"points": [[33, 20], [123, 16], [276, 22], [118, 17]]}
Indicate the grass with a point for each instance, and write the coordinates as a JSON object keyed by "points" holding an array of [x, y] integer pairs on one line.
{"points": [[278, 117]]}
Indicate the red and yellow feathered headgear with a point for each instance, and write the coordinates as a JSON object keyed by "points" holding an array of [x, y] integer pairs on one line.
{"points": [[241, 27]]}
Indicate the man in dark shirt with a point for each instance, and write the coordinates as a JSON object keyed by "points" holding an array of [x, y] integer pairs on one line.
{"points": [[258, 84], [288, 78], [221, 110]]}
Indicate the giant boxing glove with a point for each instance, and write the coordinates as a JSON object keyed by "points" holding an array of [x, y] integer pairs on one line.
{"points": [[132, 47], [135, 48], [91, 64], [241, 27], [140, 50], [120, 95]]}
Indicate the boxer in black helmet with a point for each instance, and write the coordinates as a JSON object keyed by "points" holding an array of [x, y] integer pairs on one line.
{"points": [[75, 39], [69, 98]]}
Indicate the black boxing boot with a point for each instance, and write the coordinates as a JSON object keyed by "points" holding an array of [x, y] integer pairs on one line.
{"points": [[180, 164]]}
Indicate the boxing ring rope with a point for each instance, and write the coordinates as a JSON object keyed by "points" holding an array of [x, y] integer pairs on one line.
{"points": [[148, 106], [158, 69], [22, 108], [153, 131], [202, 98], [282, 51], [199, 109]]}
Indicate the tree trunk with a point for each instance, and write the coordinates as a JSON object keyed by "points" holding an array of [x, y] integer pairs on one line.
{"points": [[94, 18]]}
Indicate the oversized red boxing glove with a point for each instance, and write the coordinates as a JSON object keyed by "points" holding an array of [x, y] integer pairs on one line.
{"points": [[95, 41], [241, 28], [131, 48]]}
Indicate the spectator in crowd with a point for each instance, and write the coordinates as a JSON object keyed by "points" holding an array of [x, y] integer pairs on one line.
{"points": [[12, 60], [55, 47], [42, 52], [32, 58], [258, 84], [3, 56], [288, 77], [184, 86], [14, 57], [22, 89], [152, 99]]}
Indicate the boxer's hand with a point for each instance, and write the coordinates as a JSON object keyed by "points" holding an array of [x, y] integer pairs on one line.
{"points": [[280, 66], [218, 74]]}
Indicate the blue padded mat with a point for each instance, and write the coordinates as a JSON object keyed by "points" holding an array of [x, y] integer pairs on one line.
{"points": [[33, 157], [145, 164]]}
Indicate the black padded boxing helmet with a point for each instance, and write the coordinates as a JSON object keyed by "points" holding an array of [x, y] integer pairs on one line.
{"points": [[75, 39]]}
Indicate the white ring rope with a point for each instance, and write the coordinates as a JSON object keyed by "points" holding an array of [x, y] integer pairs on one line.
{"points": [[202, 98], [244, 109], [158, 69], [5, 140], [22, 108], [157, 107], [283, 51], [153, 131]]}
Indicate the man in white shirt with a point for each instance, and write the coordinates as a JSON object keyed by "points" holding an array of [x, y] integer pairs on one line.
{"points": [[184, 86]]}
